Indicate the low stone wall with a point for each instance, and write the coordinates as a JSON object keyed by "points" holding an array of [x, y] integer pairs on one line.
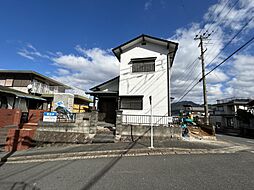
{"points": [[139, 131], [81, 131], [61, 137]]}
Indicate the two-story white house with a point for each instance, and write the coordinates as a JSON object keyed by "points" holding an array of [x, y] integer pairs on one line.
{"points": [[145, 71], [145, 67]]}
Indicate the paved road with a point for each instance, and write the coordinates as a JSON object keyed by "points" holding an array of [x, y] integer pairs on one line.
{"points": [[223, 171], [236, 139], [207, 171]]}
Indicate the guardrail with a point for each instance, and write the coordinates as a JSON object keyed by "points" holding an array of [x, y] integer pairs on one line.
{"points": [[146, 119]]}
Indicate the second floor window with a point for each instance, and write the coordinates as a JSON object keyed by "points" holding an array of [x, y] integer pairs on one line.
{"points": [[143, 64]]}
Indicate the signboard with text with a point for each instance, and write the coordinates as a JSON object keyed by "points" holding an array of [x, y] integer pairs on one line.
{"points": [[49, 117]]}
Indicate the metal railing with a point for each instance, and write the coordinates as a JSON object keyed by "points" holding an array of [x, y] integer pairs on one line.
{"points": [[70, 118], [40, 88], [146, 119], [235, 99]]}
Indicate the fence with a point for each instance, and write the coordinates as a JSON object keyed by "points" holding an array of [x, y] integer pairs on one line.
{"points": [[62, 118], [146, 119], [70, 118]]}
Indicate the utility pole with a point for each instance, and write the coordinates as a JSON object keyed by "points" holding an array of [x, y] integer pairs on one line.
{"points": [[203, 37]]}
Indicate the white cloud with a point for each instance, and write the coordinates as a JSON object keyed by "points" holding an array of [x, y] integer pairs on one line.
{"points": [[148, 4], [31, 47], [241, 83], [232, 14], [185, 70], [93, 66], [217, 76], [30, 52], [84, 69], [63, 72], [89, 67], [26, 55], [228, 80]]}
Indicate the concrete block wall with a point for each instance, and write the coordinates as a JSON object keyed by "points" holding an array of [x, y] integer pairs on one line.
{"points": [[160, 132], [125, 131], [81, 131]]}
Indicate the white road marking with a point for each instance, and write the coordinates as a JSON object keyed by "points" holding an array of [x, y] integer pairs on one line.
{"points": [[252, 151]]}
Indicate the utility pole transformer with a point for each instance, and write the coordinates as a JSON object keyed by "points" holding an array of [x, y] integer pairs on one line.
{"points": [[202, 37]]}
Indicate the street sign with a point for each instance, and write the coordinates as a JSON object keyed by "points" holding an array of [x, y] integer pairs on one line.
{"points": [[49, 117]]}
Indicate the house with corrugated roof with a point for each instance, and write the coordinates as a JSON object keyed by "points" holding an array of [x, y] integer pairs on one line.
{"points": [[144, 81]]}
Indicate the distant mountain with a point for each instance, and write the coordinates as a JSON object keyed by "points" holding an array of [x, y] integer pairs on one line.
{"points": [[176, 107]]}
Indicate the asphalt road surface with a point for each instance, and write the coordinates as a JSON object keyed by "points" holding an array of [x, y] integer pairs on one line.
{"points": [[206, 171], [236, 139]]}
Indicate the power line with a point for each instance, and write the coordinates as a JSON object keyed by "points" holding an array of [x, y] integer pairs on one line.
{"points": [[202, 28], [190, 66], [240, 48], [222, 18], [187, 82], [234, 35], [214, 17], [220, 21], [249, 41], [229, 42], [186, 77]]}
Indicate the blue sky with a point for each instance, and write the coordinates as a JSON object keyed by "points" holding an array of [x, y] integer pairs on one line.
{"points": [[72, 40]]}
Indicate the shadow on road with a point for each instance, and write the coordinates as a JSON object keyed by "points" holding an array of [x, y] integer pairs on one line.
{"points": [[14, 148], [111, 164]]}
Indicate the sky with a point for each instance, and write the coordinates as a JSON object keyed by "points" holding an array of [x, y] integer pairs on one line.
{"points": [[71, 41]]}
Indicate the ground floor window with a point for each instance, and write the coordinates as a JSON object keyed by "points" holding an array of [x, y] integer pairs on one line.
{"points": [[131, 102]]}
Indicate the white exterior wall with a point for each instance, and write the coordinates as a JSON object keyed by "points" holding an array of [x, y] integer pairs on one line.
{"points": [[146, 83]]}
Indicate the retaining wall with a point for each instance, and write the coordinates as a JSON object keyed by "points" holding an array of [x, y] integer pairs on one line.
{"points": [[132, 132], [141, 131], [81, 131]]}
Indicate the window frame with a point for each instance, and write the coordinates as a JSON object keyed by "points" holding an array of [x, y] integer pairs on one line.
{"points": [[136, 99], [143, 65]]}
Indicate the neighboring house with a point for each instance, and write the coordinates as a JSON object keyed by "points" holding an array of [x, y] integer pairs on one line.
{"points": [[30, 82], [246, 120], [145, 71], [224, 114], [196, 112], [15, 105], [180, 106], [106, 95], [251, 107], [14, 99]]}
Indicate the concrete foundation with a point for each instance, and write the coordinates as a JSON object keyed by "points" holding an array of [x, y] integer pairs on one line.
{"points": [[132, 132], [142, 131]]}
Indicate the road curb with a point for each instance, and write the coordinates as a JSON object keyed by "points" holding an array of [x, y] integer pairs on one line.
{"points": [[121, 153]]}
